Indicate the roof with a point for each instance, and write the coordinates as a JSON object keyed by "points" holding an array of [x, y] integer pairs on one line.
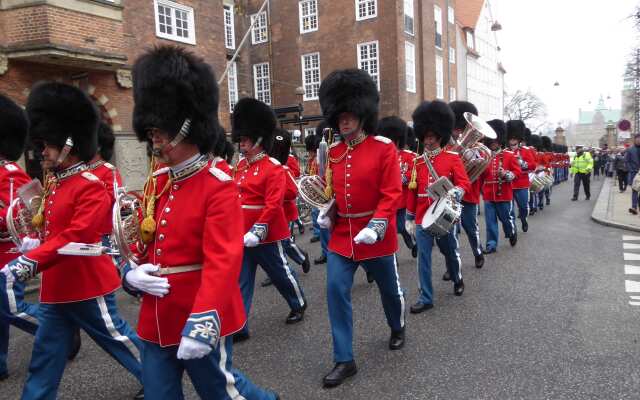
{"points": [[468, 12], [586, 117]]}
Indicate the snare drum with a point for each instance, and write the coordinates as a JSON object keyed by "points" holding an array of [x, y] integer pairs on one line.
{"points": [[442, 216]]}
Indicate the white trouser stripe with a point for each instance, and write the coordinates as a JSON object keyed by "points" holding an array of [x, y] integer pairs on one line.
{"points": [[28, 318], [108, 322], [232, 391], [456, 251], [400, 293], [296, 249], [289, 275], [13, 307]]}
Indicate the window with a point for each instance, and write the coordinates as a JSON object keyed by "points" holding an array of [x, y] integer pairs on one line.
{"points": [[437, 16], [408, 16], [366, 9], [174, 21], [452, 16], [259, 32], [452, 55], [262, 82], [232, 85], [452, 94], [309, 132], [311, 75], [308, 15], [470, 42], [439, 77], [229, 33], [410, 66], [368, 60]]}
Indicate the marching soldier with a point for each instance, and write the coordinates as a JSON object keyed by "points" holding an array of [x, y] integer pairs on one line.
{"points": [[14, 310], [191, 298], [534, 143], [75, 291], [262, 183], [433, 123], [497, 190], [322, 235], [544, 164], [395, 129], [515, 137], [471, 200], [364, 176]]}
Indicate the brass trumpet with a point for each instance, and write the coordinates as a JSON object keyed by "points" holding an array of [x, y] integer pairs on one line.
{"points": [[475, 156]]}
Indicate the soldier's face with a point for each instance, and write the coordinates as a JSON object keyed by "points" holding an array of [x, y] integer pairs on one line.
{"points": [[159, 141], [245, 145], [50, 156], [348, 123], [456, 133], [513, 142], [494, 146], [431, 141]]}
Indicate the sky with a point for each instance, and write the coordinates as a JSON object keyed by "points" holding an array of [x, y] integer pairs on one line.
{"points": [[581, 44]]}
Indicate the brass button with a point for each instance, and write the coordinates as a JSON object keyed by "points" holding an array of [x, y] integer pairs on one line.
{"points": [[348, 205], [161, 236], [176, 187], [348, 175], [47, 233], [167, 209], [348, 165], [50, 202], [171, 197], [348, 185], [158, 252], [163, 222], [348, 195], [349, 156]]}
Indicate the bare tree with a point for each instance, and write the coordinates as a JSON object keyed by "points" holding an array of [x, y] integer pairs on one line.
{"points": [[528, 107]]}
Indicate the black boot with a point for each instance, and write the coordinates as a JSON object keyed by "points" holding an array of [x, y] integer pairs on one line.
{"points": [[370, 278], [139, 395], [266, 282], [306, 264], [458, 288], [446, 276], [76, 343], [339, 373], [296, 316], [420, 307], [320, 260], [241, 336], [479, 261], [513, 240], [396, 341], [414, 251], [525, 225]]}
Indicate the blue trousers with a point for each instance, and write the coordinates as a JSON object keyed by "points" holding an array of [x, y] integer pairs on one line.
{"points": [[291, 249], [324, 234], [340, 271], [212, 376], [542, 195], [520, 200], [533, 200], [99, 318], [401, 216], [448, 245], [469, 222], [271, 257], [634, 195], [14, 311], [494, 211], [314, 222]]}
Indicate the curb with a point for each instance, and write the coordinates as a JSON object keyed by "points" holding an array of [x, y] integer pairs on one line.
{"points": [[600, 210]]}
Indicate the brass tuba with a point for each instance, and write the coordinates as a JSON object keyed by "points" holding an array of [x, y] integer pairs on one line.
{"points": [[313, 188], [126, 215], [21, 211], [475, 155]]}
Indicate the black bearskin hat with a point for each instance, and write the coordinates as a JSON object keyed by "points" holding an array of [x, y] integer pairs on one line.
{"points": [[218, 146], [527, 136], [536, 142], [253, 119], [311, 142], [500, 128], [412, 141], [395, 129], [13, 129], [281, 147], [460, 107], [350, 90], [57, 111], [515, 129], [106, 140], [170, 85], [433, 116], [228, 151], [546, 143]]}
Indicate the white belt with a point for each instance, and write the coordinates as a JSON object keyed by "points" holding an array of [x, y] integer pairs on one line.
{"points": [[356, 215], [252, 206], [179, 269]]}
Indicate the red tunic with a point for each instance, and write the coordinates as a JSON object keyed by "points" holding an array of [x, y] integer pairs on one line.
{"points": [[78, 202], [221, 164], [262, 186], [11, 178], [290, 196], [447, 164], [367, 188], [199, 223], [405, 160], [473, 194], [294, 166], [527, 154], [493, 188], [312, 166]]}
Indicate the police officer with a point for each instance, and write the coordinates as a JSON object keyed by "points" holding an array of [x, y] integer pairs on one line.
{"points": [[261, 181], [189, 280], [433, 123], [364, 176], [581, 167], [75, 291]]}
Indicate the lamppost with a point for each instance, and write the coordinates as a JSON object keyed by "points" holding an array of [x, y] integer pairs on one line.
{"points": [[612, 140], [300, 94]]}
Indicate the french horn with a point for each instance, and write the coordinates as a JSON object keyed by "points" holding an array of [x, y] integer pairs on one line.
{"points": [[21, 211], [126, 215]]}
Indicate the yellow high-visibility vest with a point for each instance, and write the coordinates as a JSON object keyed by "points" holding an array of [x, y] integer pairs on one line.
{"points": [[582, 164]]}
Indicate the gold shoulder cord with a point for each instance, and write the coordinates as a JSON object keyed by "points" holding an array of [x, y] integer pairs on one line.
{"points": [[148, 225], [413, 184], [49, 181]]}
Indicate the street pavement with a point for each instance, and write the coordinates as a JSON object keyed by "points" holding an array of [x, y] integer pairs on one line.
{"points": [[547, 319], [613, 207]]}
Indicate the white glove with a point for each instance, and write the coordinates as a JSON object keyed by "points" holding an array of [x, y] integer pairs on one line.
{"points": [[251, 239], [410, 227], [8, 274], [141, 278], [366, 236], [29, 244], [191, 348], [324, 221]]}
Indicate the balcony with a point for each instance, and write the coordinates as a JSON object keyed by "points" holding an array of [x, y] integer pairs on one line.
{"points": [[80, 33]]}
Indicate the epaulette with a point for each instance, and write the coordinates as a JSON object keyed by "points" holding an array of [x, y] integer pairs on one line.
{"points": [[382, 139], [451, 152], [10, 167], [409, 151], [89, 176], [110, 166], [273, 160], [161, 171], [220, 174], [285, 167], [334, 144]]}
